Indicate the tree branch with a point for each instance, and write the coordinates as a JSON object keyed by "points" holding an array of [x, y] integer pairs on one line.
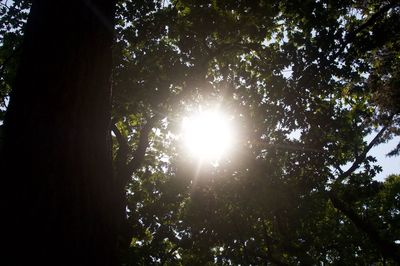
{"points": [[3, 66], [387, 248], [5, 5], [269, 254], [168, 256], [124, 171], [340, 170], [139, 153], [361, 157], [122, 153], [369, 22]]}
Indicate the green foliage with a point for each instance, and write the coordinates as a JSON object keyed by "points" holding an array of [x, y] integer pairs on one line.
{"points": [[327, 70], [12, 20]]}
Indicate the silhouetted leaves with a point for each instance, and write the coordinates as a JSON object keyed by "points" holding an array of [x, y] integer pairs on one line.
{"points": [[305, 82]]}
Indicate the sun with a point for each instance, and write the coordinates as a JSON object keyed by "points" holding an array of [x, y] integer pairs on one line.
{"points": [[208, 135]]}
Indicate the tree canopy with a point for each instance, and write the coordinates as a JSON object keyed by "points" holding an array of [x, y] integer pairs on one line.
{"points": [[303, 82]]}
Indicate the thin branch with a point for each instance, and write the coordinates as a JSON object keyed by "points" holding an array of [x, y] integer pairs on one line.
{"points": [[370, 21], [5, 5], [362, 156], [340, 170], [293, 147]]}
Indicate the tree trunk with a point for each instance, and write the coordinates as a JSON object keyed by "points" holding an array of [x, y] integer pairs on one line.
{"points": [[58, 191]]}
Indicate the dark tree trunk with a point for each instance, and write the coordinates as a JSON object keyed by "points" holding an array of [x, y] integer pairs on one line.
{"points": [[57, 191]]}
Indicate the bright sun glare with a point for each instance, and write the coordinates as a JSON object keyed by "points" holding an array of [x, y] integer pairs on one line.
{"points": [[208, 135]]}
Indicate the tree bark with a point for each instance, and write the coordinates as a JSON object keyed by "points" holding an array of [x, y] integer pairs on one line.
{"points": [[58, 193]]}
